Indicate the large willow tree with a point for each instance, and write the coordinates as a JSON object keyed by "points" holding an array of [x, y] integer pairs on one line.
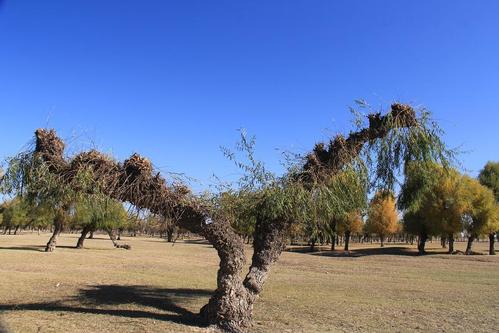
{"points": [[381, 146]]}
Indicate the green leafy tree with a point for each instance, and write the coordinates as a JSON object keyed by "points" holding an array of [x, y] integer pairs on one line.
{"points": [[29, 176], [489, 176], [433, 202], [14, 215], [99, 214]]}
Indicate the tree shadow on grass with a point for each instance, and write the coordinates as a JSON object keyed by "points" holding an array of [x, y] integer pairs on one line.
{"points": [[36, 248], [100, 300], [356, 253]]}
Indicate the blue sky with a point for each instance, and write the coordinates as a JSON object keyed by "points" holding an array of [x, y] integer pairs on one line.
{"points": [[174, 80]]}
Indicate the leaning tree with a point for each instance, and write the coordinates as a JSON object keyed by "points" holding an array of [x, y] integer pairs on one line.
{"points": [[382, 145]]}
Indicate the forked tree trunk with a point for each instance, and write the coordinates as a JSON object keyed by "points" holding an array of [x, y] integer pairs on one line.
{"points": [[84, 232], [423, 237], [451, 243], [492, 238], [469, 246], [231, 307], [347, 240]]}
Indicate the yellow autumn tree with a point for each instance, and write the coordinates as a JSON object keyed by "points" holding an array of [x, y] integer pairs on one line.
{"points": [[480, 213], [382, 218]]}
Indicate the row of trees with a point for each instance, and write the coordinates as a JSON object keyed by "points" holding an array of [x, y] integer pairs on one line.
{"points": [[442, 202], [435, 201], [85, 216]]}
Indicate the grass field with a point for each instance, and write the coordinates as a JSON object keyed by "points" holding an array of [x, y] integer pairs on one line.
{"points": [[158, 287]]}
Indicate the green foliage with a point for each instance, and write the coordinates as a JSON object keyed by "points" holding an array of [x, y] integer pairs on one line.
{"points": [[27, 175], [439, 200], [14, 213], [489, 176], [100, 213], [432, 198]]}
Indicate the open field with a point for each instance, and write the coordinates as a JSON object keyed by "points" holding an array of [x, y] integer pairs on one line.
{"points": [[158, 287]]}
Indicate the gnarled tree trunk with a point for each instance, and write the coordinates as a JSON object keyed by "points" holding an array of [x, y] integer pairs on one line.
{"points": [[231, 306], [84, 232]]}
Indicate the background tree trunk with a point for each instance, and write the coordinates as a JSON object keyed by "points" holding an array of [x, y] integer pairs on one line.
{"points": [[423, 237], [169, 234], [451, 243], [469, 246], [492, 238], [347, 240]]}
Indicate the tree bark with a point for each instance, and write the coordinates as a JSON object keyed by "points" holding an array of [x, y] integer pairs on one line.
{"points": [[84, 232], [492, 237], [382, 240], [469, 246], [58, 226], [347, 240], [451, 243], [423, 237], [91, 236]]}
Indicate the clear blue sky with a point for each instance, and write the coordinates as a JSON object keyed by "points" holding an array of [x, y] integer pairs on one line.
{"points": [[174, 80]]}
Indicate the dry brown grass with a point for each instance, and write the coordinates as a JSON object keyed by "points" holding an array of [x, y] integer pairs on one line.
{"points": [[157, 287]]}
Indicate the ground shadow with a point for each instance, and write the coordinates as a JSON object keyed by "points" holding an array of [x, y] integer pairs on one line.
{"points": [[100, 299], [355, 253], [37, 248]]}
